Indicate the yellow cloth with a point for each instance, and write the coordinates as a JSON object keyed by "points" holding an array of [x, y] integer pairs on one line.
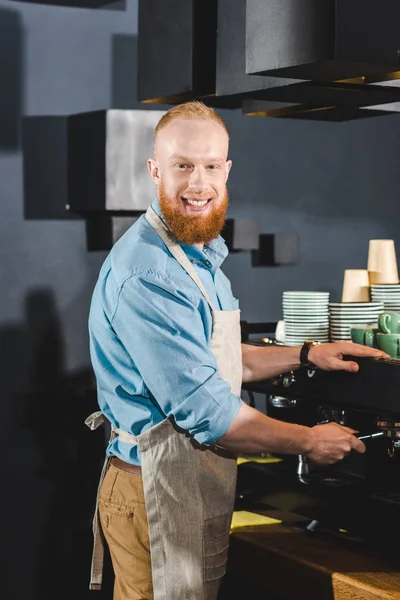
{"points": [[258, 459], [243, 518]]}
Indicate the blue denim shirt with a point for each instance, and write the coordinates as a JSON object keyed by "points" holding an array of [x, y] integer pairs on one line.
{"points": [[150, 332]]}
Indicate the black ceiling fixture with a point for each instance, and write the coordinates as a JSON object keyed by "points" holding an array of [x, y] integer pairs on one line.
{"points": [[327, 94], [103, 230], [107, 161], [282, 97], [241, 234], [203, 52], [322, 40], [45, 167], [72, 3], [231, 79], [276, 249], [261, 108], [341, 112], [177, 53], [88, 164], [176, 50]]}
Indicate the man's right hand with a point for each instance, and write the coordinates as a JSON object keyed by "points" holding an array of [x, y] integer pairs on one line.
{"points": [[332, 442]]}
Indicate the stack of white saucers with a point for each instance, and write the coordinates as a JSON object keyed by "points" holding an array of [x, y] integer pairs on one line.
{"points": [[343, 315], [306, 317], [388, 293]]}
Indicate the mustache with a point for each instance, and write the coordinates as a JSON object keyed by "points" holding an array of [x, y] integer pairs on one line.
{"points": [[202, 196]]}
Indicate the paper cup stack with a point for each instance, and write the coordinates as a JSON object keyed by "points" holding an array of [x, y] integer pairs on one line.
{"points": [[388, 294], [382, 263], [343, 315], [306, 317], [355, 286]]}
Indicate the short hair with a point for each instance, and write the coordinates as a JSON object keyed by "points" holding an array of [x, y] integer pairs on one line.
{"points": [[190, 111]]}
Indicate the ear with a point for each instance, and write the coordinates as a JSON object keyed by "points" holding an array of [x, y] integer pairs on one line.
{"points": [[228, 166], [154, 171]]}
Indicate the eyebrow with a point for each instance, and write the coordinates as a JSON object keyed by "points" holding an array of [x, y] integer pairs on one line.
{"points": [[183, 158]]}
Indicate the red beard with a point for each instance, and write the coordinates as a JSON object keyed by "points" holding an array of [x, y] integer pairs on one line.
{"points": [[193, 229]]}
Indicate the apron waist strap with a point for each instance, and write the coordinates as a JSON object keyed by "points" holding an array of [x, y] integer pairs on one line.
{"points": [[94, 421], [97, 419], [125, 436]]}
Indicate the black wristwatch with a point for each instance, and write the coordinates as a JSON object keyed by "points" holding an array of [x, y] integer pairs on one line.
{"points": [[304, 362]]}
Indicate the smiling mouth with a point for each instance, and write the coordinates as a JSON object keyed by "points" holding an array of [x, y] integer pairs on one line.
{"points": [[198, 203]]}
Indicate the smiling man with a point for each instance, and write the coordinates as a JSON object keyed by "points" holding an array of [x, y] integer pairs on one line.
{"points": [[191, 178], [167, 354]]}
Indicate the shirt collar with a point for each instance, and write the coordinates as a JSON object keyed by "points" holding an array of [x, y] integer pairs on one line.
{"points": [[213, 254]]}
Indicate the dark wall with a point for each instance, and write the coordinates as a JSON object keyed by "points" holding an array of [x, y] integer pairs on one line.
{"points": [[53, 61], [336, 185]]}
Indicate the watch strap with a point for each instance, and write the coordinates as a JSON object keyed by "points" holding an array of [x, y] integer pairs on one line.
{"points": [[305, 349]]}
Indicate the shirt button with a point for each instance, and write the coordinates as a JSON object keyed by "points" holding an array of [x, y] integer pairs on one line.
{"points": [[193, 261], [208, 263]]}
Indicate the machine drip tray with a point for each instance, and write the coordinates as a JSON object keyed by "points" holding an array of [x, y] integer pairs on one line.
{"points": [[393, 498], [334, 481], [364, 508]]}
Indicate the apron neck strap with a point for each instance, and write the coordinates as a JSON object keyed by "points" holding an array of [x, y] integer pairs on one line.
{"points": [[175, 249]]}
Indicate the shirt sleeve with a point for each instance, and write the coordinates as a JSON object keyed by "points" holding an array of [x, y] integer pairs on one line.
{"points": [[161, 328]]}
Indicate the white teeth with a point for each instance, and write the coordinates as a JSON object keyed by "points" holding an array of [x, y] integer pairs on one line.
{"points": [[196, 202]]}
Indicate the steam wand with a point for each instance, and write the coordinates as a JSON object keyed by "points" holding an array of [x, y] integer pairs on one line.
{"points": [[302, 466]]}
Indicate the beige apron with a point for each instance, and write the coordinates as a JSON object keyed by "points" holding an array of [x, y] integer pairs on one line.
{"points": [[189, 489]]}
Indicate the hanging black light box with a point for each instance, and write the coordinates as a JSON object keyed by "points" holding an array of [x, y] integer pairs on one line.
{"points": [[107, 158], [262, 108], [45, 168], [88, 163], [176, 50], [241, 234], [265, 108], [72, 3], [280, 96], [277, 249], [231, 77], [103, 230], [203, 55], [322, 40], [11, 77]]}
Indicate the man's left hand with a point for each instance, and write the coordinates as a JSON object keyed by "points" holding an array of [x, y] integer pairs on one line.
{"points": [[329, 357]]}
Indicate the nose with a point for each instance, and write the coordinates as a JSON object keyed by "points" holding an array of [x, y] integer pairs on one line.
{"points": [[197, 180]]}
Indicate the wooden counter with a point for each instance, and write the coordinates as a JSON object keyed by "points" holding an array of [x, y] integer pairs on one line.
{"points": [[287, 563]]}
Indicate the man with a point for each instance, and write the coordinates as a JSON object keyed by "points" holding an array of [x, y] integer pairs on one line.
{"points": [[165, 347]]}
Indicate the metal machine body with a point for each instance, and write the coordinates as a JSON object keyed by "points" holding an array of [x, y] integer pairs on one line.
{"points": [[359, 495]]}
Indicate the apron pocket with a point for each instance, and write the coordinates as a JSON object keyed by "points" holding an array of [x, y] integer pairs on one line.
{"points": [[215, 566], [216, 546]]}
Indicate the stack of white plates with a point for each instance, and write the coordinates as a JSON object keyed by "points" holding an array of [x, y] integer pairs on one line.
{"points": [[343, 315], [306, 317], [388, 293]]}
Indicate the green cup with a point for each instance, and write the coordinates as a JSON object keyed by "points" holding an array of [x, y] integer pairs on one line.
{"points": [[365, 335], [389, 343], [389, 322]]}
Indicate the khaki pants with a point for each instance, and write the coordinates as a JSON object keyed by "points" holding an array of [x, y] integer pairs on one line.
{"points": [[124, 524]]}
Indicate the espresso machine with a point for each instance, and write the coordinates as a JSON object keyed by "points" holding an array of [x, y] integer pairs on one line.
{"points": [[358, 496]]}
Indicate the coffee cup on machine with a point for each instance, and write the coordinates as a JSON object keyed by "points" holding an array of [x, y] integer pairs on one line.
{"points": [[389, 322], [364, 334], [389, 343]]}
